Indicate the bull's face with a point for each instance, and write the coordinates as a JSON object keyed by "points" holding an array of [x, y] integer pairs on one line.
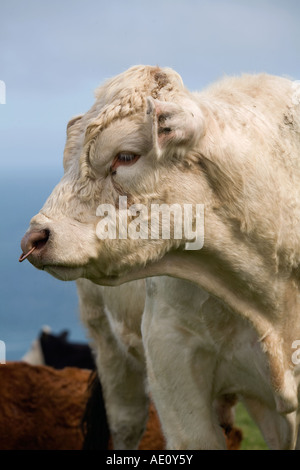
{"points": [[127, 156]]}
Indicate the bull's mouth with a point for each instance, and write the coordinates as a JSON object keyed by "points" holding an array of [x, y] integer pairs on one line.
{"points": [[59, 271], [92, 270]]}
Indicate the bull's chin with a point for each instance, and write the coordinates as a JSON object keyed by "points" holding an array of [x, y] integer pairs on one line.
{"points": [[64, 273]]}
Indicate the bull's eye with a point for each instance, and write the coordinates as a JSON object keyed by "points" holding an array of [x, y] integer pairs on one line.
{"points": [[124, 159]]}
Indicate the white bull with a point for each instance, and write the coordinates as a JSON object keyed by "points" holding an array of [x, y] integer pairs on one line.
{"points": [[219, 321]]}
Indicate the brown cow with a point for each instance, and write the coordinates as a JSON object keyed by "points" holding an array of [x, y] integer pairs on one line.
{"points": [[42, 408]]}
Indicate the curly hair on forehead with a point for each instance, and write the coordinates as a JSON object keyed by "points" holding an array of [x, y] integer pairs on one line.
{"points": [[123, 96], [126, 94]]}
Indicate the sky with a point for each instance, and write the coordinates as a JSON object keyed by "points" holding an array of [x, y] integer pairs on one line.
{"points": [[54, 54]]}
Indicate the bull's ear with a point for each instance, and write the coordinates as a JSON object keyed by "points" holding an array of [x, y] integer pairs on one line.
{"points": [[71, 143], [174, 125], [73, 120]]}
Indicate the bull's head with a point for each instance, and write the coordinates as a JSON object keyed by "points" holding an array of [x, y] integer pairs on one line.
{"points": [[136, 150]]}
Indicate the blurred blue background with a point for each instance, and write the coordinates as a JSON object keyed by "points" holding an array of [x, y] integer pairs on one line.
{"points": [[52, 57]]}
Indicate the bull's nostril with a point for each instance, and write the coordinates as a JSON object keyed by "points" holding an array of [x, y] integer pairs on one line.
{"points": [[34, 240], [41, 240]]}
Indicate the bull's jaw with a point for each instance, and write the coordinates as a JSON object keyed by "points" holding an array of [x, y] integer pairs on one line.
{"points": [[64, 273]]}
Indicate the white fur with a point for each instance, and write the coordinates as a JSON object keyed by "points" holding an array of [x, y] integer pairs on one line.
{"points": [[35, 354], [224, 322]]}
